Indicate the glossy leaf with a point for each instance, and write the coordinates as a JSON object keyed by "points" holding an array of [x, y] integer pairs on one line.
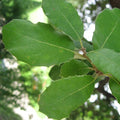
{"points": [[107, 61], [64, 16], [74, 67], [107, 30], [37, 44], [115, 88], [65, 95]]}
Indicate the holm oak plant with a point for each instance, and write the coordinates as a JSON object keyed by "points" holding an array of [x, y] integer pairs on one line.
{"points": [[58, 44]]}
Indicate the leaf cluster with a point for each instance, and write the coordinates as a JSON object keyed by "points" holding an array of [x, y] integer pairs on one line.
{"points": [[77, 69]]}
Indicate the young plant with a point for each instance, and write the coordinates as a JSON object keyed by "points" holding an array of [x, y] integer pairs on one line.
{"points": [[60, 43]]}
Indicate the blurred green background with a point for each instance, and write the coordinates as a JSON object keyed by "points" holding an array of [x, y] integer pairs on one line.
{"points": [[20, 81]]}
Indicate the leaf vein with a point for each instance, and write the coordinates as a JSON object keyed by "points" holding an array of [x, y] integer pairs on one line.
{"points": [[75, 91], [107, 38], [69, 23], [49, 44]]}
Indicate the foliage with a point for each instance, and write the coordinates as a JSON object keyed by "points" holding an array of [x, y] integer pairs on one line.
{"points": [[12, 79], [19, 81], [11, 9], [33, 81], [8, 84], [110, 38], [101, 109], [66, 97], [45, 45], [7, 113]]}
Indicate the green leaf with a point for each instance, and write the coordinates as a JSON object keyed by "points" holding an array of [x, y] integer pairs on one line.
{"points": [[115, 88], [74, 67], [64, 16], [55, 72], [107, 30], [88, 45], [107, 61], [37, 44], [65, 95]]}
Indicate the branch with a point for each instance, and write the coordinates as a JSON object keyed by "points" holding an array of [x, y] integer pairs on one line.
{"points": [[115, 3], [101, 89]]}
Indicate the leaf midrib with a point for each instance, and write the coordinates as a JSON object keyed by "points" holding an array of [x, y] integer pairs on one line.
{"points": [[105, 57], [74, 92], [71, 26], [69, 22], [107, 38], [41, 42], [117, 82], [108, 59]]}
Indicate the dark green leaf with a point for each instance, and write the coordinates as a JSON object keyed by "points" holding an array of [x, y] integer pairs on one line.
{"points": [[88, 45], [64, 16], [74, 67], [107, 30], [37, 44], [65, 95], [115, 88], [107, 61], [55, 72]]}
